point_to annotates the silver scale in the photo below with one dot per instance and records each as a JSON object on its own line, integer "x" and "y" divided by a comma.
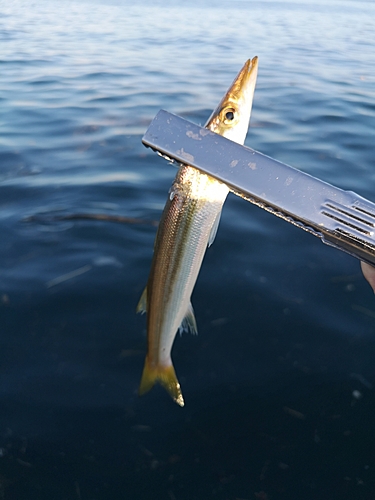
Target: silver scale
{"x": 342, "y": 219}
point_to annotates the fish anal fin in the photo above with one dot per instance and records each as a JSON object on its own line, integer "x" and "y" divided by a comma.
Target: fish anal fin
{"x": 166, "y": 376}
{"x": 188, "y": 323}
{"x": 214, "y": 229}
{"x": 142, "y": 304}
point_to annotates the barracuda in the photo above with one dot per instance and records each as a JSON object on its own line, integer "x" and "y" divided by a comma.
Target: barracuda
{"x": 188, "y": 225}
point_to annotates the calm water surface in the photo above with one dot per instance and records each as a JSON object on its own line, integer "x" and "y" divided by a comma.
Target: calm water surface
{"x": 279, "y": 383}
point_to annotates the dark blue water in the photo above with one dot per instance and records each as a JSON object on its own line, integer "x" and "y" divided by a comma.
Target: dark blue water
{"x": 279, "y": 382}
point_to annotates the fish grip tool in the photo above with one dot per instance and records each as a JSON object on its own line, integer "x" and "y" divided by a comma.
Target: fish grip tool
{"x": 342, "y": 219}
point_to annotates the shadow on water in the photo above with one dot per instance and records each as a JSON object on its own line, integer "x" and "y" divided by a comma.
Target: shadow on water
{"x": 244, "y": 447}
{"x": 279, "y": 399}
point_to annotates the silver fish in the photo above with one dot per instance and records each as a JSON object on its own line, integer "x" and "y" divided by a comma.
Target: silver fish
{"x": 188, "y": 225}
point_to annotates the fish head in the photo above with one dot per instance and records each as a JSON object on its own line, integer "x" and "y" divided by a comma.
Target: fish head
{"x": 231, "y": 118}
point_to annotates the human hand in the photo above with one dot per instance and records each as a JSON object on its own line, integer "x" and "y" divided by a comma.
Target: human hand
{"x": 369, "y": 274}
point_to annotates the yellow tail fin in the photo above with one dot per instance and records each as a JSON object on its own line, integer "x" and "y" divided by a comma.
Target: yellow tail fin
{"x": 166, "y": 376}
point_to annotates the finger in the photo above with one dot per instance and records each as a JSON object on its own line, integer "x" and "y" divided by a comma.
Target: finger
{"x": 369, "y": 274}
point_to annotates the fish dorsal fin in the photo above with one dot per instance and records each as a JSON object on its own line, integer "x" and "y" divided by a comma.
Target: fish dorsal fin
{"x": 214, "y": 228}
{"x": 188, "y": 323}
{"x": 142, "y": 304}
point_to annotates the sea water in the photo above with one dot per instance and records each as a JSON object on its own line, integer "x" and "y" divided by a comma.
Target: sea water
{"x": 278, "y": 384}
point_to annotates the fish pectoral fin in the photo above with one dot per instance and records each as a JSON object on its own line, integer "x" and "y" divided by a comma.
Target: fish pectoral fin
{"x": 214, "y": 229}
{"x": 142, "y": 304}
{"x": 166, "y": 376}
{"x": 188, "y": 323}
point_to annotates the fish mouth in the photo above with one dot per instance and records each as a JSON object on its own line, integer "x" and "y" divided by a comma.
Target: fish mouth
{"x": 241, "y": 91}
{"x": 249, "y": 66}
{"x": 245, "y": 80}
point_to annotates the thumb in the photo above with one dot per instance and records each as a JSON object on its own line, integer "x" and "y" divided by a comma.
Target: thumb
{"x": 369, "y": 274}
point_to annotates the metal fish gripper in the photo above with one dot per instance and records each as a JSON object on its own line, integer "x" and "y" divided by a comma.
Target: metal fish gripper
{"x": 340, "y": 218}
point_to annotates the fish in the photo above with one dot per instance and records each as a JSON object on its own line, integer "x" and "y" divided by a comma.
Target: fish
{"x": 187, "y": 227}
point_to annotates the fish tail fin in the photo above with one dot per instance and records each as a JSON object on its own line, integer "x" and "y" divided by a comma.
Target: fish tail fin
{"x": 166, "y": 376}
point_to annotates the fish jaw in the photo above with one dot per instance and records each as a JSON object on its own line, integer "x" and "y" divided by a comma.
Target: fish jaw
{"x": 188, "y": 225}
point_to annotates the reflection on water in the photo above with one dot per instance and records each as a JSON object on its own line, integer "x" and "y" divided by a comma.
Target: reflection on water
{"x": 279, "y": 382}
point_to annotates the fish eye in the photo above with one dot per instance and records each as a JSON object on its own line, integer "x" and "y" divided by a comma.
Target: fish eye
{"x": 229, "y": 115}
